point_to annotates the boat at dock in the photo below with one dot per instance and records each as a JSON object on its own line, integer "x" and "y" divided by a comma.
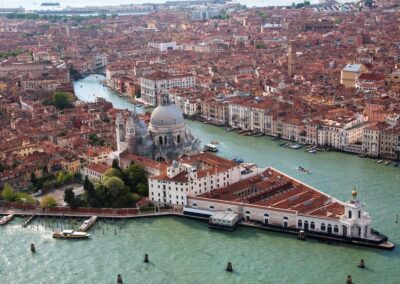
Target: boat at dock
{"x": 238, "y": 160}
{"x": 387, "y": 163}
{"x": 296, "y": 146}
{"x": 312, "y": 151}
{"x": 210, "y": 148}
{"x": 87, "y": 224}
{"x": 70, "y": 234}
{"x": 6, "y": 219}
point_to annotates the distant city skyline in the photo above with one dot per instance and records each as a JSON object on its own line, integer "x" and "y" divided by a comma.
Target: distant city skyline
{"x": 36, "y": 4}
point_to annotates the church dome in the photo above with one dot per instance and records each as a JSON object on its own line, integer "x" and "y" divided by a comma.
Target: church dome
{"x": 166, "y": 115}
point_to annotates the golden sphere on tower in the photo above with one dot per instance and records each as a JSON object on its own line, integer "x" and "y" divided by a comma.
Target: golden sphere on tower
{"x": 354, "y": 193}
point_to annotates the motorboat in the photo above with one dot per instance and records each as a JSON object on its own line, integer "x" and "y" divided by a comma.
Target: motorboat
{"x": 70, "y": 234}
{"x": 210, "y": 148}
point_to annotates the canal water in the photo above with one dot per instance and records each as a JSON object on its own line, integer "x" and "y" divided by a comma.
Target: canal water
{"x": 186, "y": 251}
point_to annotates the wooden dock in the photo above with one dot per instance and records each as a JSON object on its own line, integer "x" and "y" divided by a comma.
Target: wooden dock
{"x": 28, "y": 220}
{"x": 87, "y": 224}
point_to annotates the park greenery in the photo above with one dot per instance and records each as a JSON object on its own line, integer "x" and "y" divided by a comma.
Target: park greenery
{"x": 300, "y": 5}
{"x": 95, "y": 140}
{"x": 118, "y": 189}
{"x": 11, "y": 53}
{"x": 48, "y": 201}
{"x": 10, "y": 194}
{"x": 61, "y": 100}
{"x": 52, "y": 181}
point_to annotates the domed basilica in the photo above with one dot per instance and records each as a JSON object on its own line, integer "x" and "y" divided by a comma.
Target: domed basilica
{"x": 167, "y": 138}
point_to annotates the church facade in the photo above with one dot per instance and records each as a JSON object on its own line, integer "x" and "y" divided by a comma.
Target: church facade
{"x": 166, "y": 138}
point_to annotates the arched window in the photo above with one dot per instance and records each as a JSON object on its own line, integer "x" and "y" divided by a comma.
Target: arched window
{"x": 336, "y": 229}
{"x": 350, "y": 215}
{"x": 212, "y": 208}
{"x": 194, "y": 205}
{"x": 312, "y": 225}
{"x": 323, "y": 228}
{"x": 266, "y": 215}
{"x": 160, "y": 140}
{"x": 285, "y": 218}
{"x": 178, "y": 139}
{"x": 248, "y": 212}
{"x": 359, "y": 213}
{"x": 165, "y": 139}
{"x": 299, "y": 223}
{"x": 229, "y": 209}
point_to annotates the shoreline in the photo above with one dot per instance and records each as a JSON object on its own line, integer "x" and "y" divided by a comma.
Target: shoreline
{"x": 131, "y": 100}
{"x": 321, "y": 237}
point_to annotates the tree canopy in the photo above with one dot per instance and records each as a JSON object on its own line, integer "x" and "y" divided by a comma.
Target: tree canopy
{"x": 48, "y": 201}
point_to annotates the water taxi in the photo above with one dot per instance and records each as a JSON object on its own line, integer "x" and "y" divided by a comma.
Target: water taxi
{"x": 379, "y": 161}
{"x": 387, "y": 163}
{"x": 312, "y": 151}
{"x": 70, "y": 234}
{"x": 303, "y": 170}
{"x": 238, "y": 160}
{"x": 210, "y": 148}
{"x": 6, "y": 219}
{"x": 295, "y": 146}
{"x": 87, "y": 224}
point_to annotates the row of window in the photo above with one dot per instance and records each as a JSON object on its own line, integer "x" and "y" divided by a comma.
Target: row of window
{"x": 312, "y": 226}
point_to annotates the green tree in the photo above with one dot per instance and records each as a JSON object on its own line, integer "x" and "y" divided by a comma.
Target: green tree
{"x": 8, "y": 193}
{"x": 61, "y": 100}
{"x": 136, "y": 197}
{"x": 136, "y": 176}
{"x": 142, "y": 189}
{"x": 113, "y": 173}
{"x": 118, "y": 193}
{"x": 25, "y": 198}
{"x": 115, "y": 164}
{"x": 33, "y": 177}
{"x": 48, "y": 201}
{"x": 89, "y": 187}
{"x": 70, "y": 199}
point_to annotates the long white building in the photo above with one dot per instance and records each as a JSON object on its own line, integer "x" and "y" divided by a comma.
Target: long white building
{"x": 156, "y": 83}
{"x": 193, "y": 176}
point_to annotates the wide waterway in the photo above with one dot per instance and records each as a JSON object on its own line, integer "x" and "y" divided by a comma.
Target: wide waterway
{"x": 186, "y": 251}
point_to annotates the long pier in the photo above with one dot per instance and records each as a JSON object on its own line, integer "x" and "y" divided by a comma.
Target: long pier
{"x": 23, "y": 213}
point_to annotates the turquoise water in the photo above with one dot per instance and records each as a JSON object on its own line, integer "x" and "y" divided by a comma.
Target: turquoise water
{"x": 186, "y": 251}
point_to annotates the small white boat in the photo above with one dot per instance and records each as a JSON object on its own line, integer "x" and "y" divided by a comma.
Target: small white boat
{"x": 210, "y": 148}
{"x": 70, "y": 234}
{"x": 379, "y": 161}
{"x": 387, "y": 163}
{"x": 295, "y": 146}
{"x": 6, "y": 219}
{"x": 312, "y": 151}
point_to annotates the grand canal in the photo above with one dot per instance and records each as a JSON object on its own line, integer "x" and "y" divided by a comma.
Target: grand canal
{"x": 185, "y": 251}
